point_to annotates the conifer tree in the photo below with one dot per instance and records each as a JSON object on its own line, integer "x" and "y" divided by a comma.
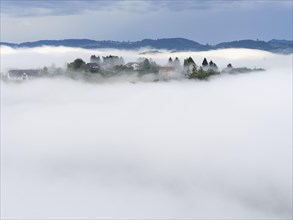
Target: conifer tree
{"x": 204, "y": 62}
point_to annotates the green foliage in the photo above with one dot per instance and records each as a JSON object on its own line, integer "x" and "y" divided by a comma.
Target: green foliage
{"x": 111, "y": 61}
{"x": 114, "y": 65}
{"x": 121, "y": 68}
{"x": 241, "y": 70}
{"x": 188, "y": 66}
{"x": 92, "y": 70}
{"x": 188, "y": 61}
{"x": 77, "y": 64}
{"x": 147, "y": 66}
{"x": 201, "y": 73}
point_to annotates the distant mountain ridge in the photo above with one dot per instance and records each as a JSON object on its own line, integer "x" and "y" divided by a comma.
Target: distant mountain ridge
{"x": 177, "y": 44}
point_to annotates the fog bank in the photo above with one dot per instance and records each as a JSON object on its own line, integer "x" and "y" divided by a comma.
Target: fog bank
{"x": 180, "y": 149}
{"x": 59, "y": 56}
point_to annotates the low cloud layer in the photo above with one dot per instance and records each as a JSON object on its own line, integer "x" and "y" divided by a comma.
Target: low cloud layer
{"x": 59, "y": 56}
{"x": 181, "y": 149}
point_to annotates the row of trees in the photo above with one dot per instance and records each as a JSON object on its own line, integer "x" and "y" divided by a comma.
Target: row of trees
{"x": 110, "y": 65}
{"x": 192, "y": 71}
{"x": 113, "y": 64}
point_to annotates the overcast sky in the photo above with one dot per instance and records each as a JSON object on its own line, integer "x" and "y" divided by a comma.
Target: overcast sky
{"x": 203, "y": 21}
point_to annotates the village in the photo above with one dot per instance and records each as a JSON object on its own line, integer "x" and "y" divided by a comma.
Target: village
{"x": 109, "y": 66}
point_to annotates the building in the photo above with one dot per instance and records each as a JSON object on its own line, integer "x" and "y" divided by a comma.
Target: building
{"x": 24, "y": 74}
{"x": 92, "y": 66}
{"x": 133, "y": 65}
{"x": 167, "y": 69}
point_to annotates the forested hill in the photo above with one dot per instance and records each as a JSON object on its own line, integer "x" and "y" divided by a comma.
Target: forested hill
{"x": 176, "y": 44}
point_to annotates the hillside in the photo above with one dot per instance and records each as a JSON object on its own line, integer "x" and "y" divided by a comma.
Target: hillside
{"x": 178, "y": 44}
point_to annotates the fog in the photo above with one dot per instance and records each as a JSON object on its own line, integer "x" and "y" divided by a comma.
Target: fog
{"x": 58, "y": 56}
{"x": 219, "y": 149}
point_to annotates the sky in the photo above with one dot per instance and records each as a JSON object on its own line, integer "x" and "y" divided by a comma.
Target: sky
{"x": 202, "y": 21}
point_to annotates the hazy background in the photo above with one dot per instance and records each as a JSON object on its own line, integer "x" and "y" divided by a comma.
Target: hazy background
{"x": 203, "y": 21}
{"x": 179, "y": 149}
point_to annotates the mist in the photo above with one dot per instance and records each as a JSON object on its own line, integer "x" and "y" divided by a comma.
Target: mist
{"x": 218, "y": 149}
{"x": 59, "y": 56}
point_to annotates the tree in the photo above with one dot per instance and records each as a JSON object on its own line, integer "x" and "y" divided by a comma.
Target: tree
{"x": 188, "y": 65}
{"x": 204, "y": 62}
{"x": 229, "y": 65}
{"x": 121, "y": 61}
{"x": 76, "y": 64}
{"x": 121, "y": 68}
{"x": 111, "y": 61}
{"x": 177, "y": 63}
{"x": 201, "y": 74}
{"x": 212, "y": 65}
{"x": 95, "y": 59}
{"x": 148, "y": 66}
{"x": 170, "y": 61}
{"x": 45, "y": 71}
{"x": 188, "y": 62}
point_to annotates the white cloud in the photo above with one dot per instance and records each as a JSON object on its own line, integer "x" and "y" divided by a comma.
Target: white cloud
{"x": 180, "y": 149}
{"x": 45, "y": 56}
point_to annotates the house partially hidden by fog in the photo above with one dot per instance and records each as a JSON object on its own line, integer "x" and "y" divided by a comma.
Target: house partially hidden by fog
{"x": 164, "y": 69}
{"x": 93, "y": 66}
{"x": 24, "y": 74}
{"x": 133, "y": 65}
